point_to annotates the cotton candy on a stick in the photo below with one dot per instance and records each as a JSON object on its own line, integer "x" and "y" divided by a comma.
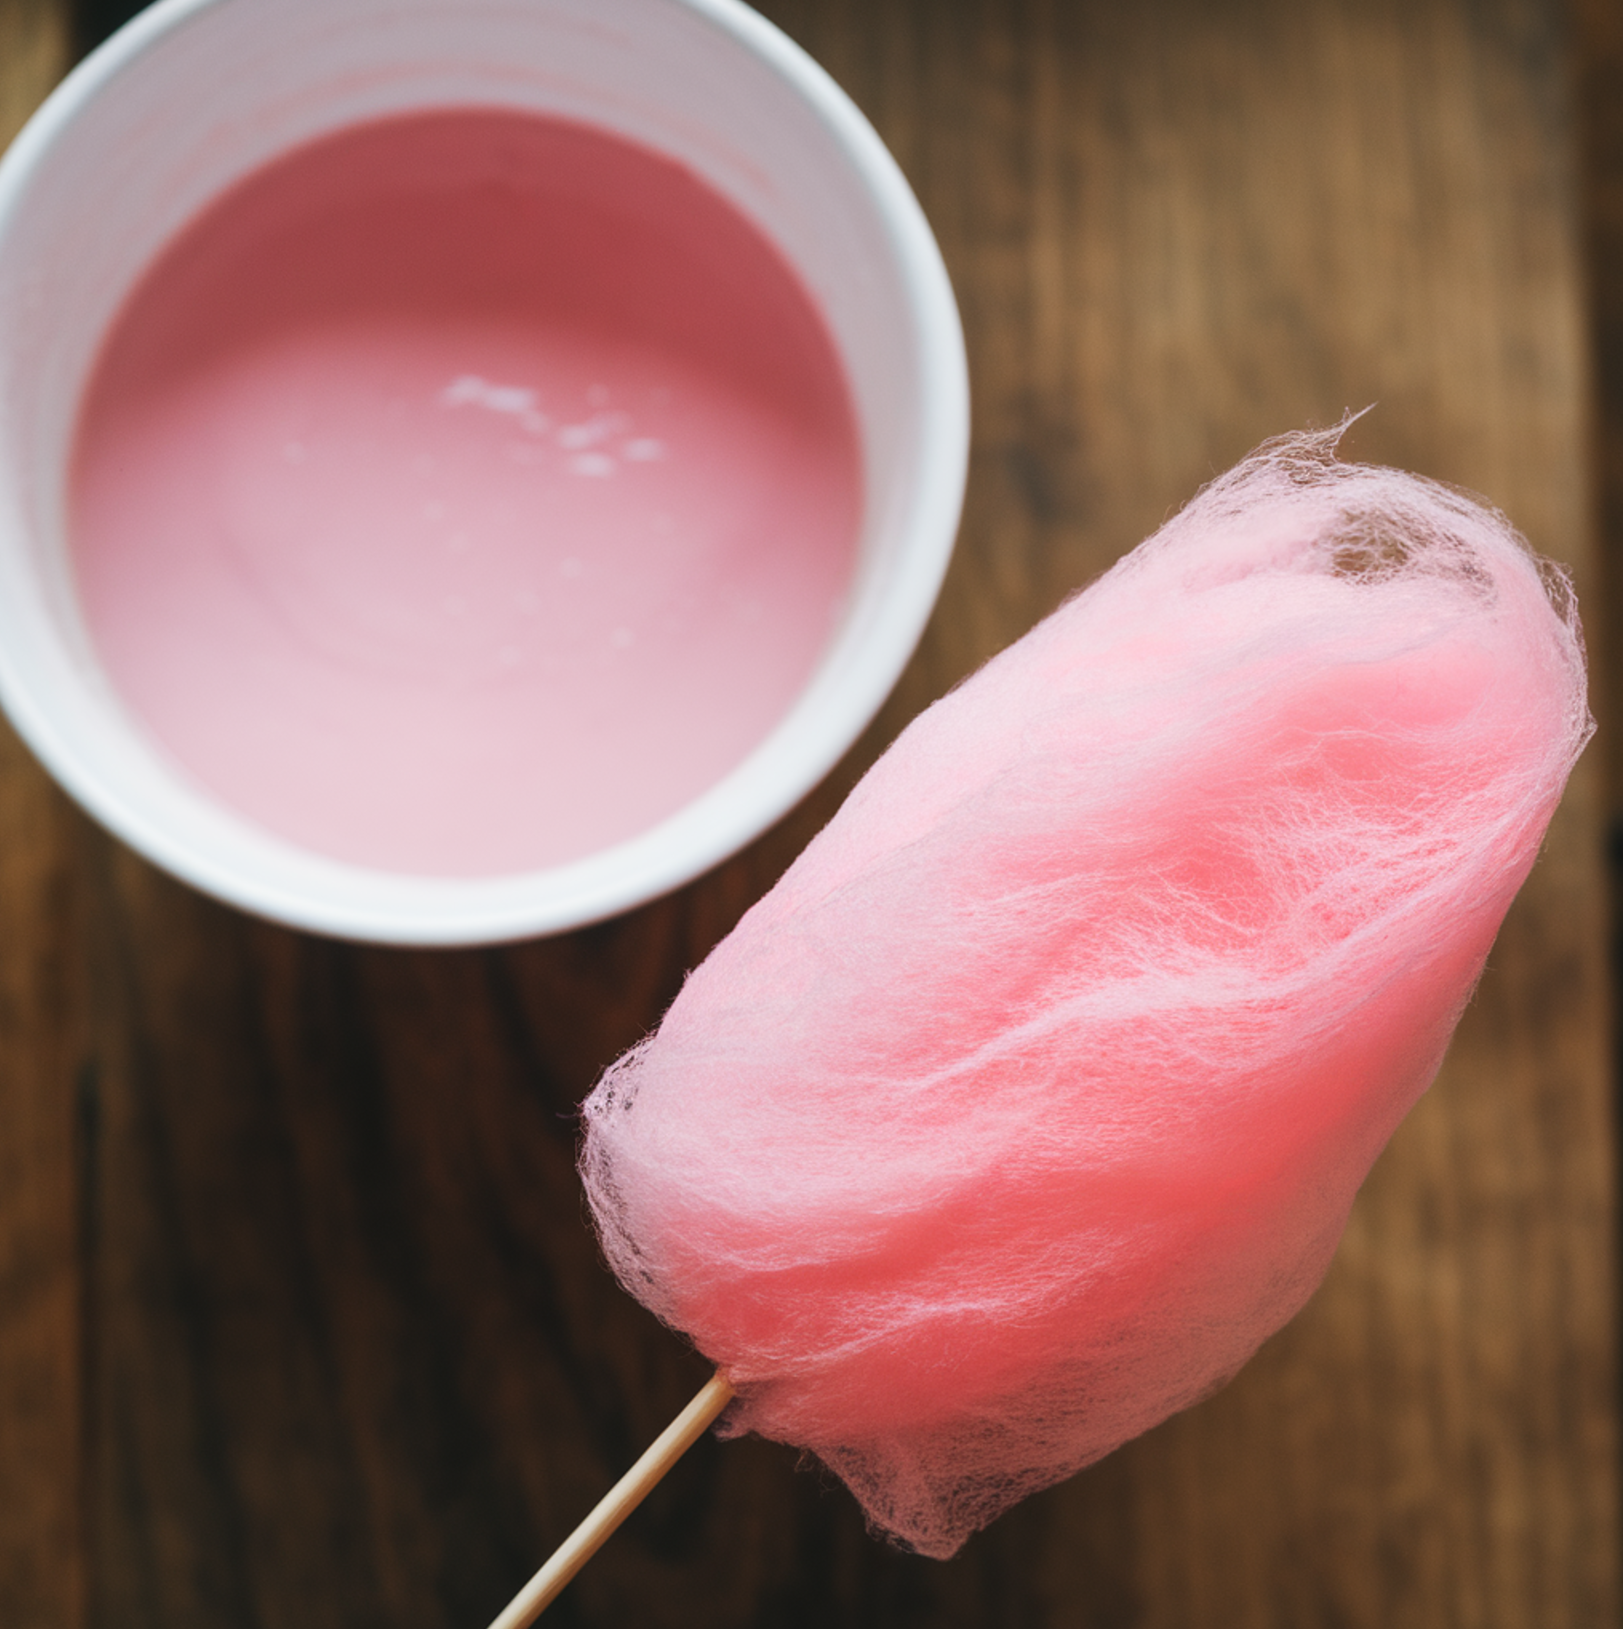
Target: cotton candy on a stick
{"x": 1035, "y": 1094}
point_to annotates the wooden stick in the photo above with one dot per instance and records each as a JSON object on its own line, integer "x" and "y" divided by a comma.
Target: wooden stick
{"x": 616, "y": 1505}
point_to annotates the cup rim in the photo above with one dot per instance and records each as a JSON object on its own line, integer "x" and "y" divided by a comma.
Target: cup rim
{"x": 350, "y": 901}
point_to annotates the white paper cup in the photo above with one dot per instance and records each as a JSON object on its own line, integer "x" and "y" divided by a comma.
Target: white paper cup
{"x": 193, "y": 96}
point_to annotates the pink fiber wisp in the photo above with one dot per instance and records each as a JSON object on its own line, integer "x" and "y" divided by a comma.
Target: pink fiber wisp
{"x": 1034, "y": 1096}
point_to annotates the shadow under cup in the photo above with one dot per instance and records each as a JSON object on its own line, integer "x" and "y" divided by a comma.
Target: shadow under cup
{"x": 465, "y": 468}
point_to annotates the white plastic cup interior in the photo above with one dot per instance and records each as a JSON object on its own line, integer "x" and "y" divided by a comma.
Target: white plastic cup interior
{"x": 196, "y": 94}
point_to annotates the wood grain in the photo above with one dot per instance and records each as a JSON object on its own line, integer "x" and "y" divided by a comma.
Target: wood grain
{"x": 300, "y": 1322}
{"x": 42, "y": 1006}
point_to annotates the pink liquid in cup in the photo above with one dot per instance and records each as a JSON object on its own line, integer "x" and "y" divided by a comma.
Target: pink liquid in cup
{"x": 465, "y": 493}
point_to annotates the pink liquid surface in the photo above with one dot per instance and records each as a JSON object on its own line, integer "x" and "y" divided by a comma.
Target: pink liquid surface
{"x": 465, "y": 493}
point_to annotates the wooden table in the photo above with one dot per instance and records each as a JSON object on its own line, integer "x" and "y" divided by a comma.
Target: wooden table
{"x": 300, "y": 1323}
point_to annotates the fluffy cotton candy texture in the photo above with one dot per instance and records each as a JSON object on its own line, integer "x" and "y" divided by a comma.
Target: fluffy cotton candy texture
{"x": 1034, "y": 1096}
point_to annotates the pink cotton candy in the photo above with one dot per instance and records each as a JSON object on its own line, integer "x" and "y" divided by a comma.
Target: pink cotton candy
{"x": 1034, "y": 1096}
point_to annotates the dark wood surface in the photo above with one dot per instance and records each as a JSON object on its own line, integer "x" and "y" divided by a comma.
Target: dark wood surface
{"x": 300, "y": 1321}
